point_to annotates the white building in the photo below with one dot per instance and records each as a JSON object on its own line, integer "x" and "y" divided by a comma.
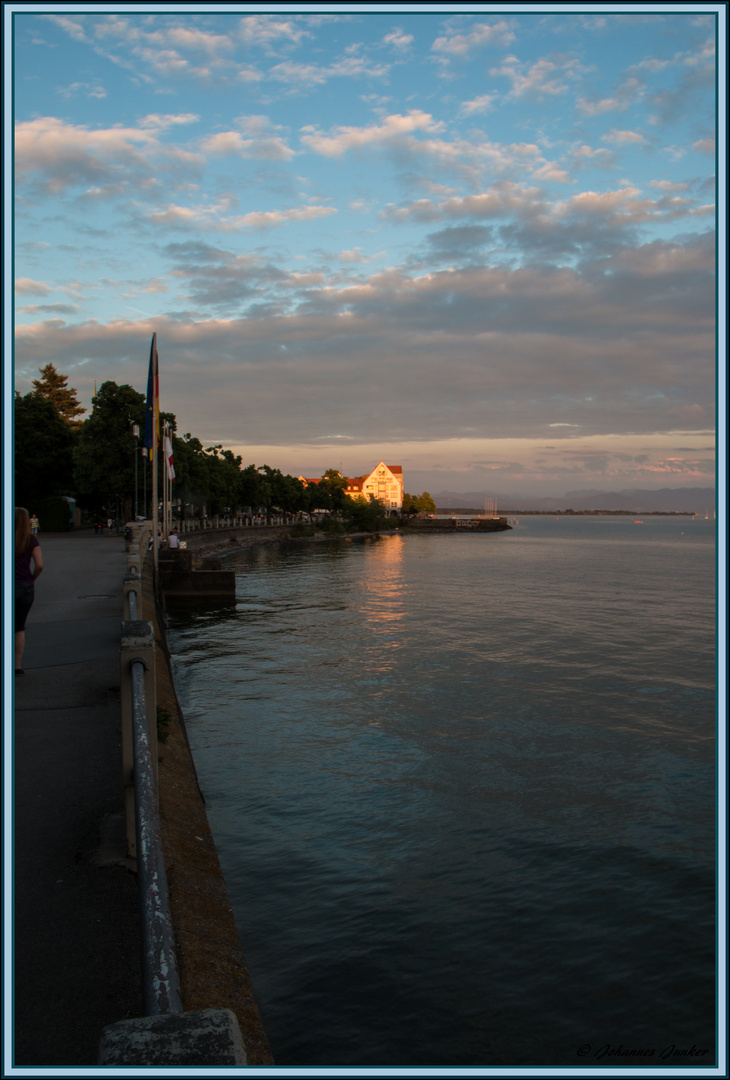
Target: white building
{"x": 385, "y": 482}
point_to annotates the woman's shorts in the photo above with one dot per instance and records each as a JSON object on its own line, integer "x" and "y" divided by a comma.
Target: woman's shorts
{"x": 24, "y": 596}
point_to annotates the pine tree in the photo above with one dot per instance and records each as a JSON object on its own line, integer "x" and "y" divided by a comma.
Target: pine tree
{"x": 52, "y": 386}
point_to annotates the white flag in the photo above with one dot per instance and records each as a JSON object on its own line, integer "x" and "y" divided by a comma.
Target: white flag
{"x": 168, "y": 459}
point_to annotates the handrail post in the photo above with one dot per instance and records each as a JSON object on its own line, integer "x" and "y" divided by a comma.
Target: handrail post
{"x": 132, "y": 586}
{"x": 138, "y": 643}
{"x": 134, "y": 559}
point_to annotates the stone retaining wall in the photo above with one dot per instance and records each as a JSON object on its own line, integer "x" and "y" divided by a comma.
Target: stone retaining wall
{"x": 212, "y": 966}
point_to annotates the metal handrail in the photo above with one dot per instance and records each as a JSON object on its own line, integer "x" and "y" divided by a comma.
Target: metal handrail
{"x": 160, "y": 979}
{"x": 161, "y": 982}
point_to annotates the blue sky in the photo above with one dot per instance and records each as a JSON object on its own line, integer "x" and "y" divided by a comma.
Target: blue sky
{"x": 478, "y": 244}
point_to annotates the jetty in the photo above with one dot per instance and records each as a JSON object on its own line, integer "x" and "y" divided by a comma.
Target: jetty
{"x": 434, "y": 523}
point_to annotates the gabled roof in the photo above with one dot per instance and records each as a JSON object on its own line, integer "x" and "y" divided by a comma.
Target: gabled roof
{"x": 397, "y": 470}
{"x": 356, "y": 482}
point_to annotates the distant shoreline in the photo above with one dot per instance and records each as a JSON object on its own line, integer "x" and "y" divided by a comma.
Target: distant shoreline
{"x": 450, "y": 511}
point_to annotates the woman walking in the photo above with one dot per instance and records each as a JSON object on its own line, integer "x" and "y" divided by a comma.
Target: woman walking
{"x": 28, "y": 565}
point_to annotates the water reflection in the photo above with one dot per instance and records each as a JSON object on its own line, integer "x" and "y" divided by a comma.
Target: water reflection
{"x": 383, "y": 594}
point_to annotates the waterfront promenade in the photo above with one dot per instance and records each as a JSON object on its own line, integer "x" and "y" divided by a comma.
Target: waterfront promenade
{"x": 76, "y": 936}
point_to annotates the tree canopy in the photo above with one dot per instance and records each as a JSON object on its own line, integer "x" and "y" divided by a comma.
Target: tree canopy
{"x": 105, "y": 454}
{"x": 44, "y": 445}
{"x": 330, "y": 494}
{"x": 418, "y": 504}
{"x": 367, "y": 515}
{"x": 52, "y": 386}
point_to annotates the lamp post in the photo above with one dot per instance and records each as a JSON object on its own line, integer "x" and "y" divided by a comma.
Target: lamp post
{"x": 135, "y": 435}
{"x": 144, "y": 479}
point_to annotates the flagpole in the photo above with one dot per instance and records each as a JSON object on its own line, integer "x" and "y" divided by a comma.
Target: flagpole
{"x": 165, "y": 484}
{"x": 155, "y": 443}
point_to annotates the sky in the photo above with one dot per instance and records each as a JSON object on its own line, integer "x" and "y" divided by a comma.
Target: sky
{"x": 479, "y": 244}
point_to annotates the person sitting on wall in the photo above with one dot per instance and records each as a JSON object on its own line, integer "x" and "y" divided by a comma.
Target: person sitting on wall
{"x": 173, "y": 540}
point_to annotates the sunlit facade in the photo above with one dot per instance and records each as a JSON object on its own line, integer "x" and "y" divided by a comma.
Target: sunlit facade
{"x": 385, "y": 482}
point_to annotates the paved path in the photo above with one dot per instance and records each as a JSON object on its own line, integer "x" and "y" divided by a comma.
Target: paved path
{"x": 77, "y": 949}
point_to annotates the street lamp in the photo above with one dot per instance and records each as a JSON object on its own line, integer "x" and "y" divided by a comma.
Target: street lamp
{"x": 143, "y": 450}
{"x": 135, "y": 435}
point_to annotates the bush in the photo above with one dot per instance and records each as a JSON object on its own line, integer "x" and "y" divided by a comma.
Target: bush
{"x": 368, "y": 515}
{"x": 330, "y": 526}
{"x": 54, "y": 514}
{"x": 300, "y": 530}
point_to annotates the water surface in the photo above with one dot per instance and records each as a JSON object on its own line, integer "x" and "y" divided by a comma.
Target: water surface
{"x": 463, "y": 791}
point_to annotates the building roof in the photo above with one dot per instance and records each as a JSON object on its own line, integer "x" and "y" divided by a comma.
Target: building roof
{"x": 356, "y": 482}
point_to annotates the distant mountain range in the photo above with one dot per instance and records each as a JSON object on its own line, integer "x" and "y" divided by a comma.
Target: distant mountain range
{"x": 636, "y": 500}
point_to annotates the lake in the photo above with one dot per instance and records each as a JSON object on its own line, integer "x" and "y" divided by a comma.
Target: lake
{"x": 463, "y": 791}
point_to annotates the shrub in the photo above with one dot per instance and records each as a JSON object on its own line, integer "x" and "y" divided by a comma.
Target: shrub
{"x": 54, "y": 514}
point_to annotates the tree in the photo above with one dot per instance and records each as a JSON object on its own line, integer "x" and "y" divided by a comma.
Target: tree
{"x": 224, "y": 479}
{"x": 207, "y": 477}
{"x": 287, "y": 492}
{"x": 192, "y": 485}
{"x": 44, "y": 447}
{"x": 52, "y": 386}
{"x": 250, "y": 487}
{"x": 366, "y": 515}
{"x": 418, "y": 504}
{"x": 105, "y": 454}
{"x": 330, "y": 492}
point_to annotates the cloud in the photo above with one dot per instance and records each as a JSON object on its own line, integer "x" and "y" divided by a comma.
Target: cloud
{"x": 90, "y": 90}
{"x": 73, "y": 27}
{"x": 597, "y": 108}
{"x": 544, "y": 78}
{"x": 301, "y": 75}
{"x": 355, "y": 256}
{"x": 197, "y": 40}
{"x": 628, "y": 93}
{"x": 389, "y": 130}
{"x": 624, "y": 137}
{"x": 526, "y": 347}
{"x": 270, "y": 218}
{"x": 158, "y": 122}
{"x": 271, "y": 148}
{"x": 48, "y": 309}
{"x": 61, "y": 155}
{"x": 217, "y": 217}
{"x": 481, "y": 35}
{"x": 501, "y": 200}
{"x": 668, "y": 185}
{"x": 480, "y": 104}
{"x": 268, "y": 33}
{"x": 587, "y": 155}
{"x": 705, "y": 146}
{"x": 26, "y": 286}
{"x": 398, "y": 40}
{"x": 248, "y": 75}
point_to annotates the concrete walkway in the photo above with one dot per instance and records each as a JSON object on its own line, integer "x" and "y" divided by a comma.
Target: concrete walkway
{"x": 77, "y": 950}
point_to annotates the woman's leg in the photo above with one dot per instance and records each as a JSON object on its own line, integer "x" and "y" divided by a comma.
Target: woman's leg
{"x": 19, "y": 647}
